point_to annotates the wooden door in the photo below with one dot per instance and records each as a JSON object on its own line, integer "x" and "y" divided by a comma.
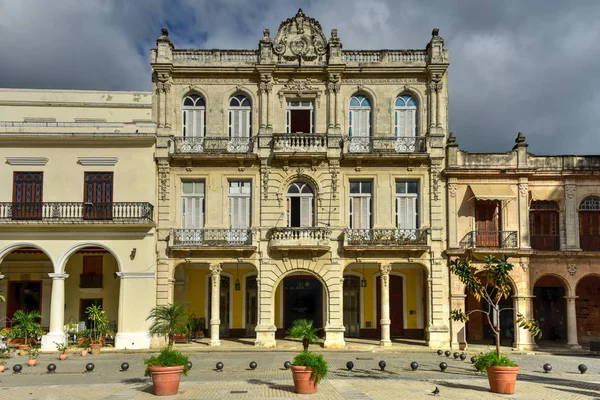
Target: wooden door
{"x": 396, "y": 305}
{"x": 300, "y": 121}
{"x": 27, "y": 195}
{"x": 589, "y": 230}
{"x": 487, "y": 224}
{"x": 98, "y": 195}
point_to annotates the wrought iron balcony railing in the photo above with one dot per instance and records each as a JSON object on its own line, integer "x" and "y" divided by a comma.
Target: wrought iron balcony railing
{"x": 589, "y": 242}
{"x": 383, "y": 145}
{"x": 198, "y": 144}
{"x": 212, "y": 237}
{"x": 90, "y": 281}
{"x": 494, "y": 239}
{"x": 386, "y": 237}
{"x": 545, "y": 242}
{"x": 308, "y": 237}
{"x": 84, "y": 213}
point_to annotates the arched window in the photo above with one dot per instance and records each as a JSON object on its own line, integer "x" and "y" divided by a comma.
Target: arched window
{"x": 405, "y": 116}
{"x": 543, "y": 225}
{"x": 359, "y": 124}
{"x": 589, "y": 224}
{"x": 300, "y": 205}
{"x": 240, "y": 117}
{"x": 194, "y": 116}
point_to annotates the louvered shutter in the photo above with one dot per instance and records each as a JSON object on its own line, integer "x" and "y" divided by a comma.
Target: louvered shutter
{"x": 305, "y": 212}
{"x": 406, "y": 214}
{"x": 199, "y": 123}
{"x": 363, "y": 123}
{"x": 365, "y": 222}
{"x": 410, "y": 123}
{"x": 401, "y": 122}
{"x": 239, "y": 212}
{"x": 235, "y": 123}
{"x": 244, "y": 123}
{"x": 193, "y": 212}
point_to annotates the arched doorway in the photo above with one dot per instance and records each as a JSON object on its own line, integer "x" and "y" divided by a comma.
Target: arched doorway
{"x": 299, "y": 295}
{"x": 550, "y": 308}
{"x": 588, "y": 309}
{"x": 352, "y": 307}
{"x": 478, "y": 327}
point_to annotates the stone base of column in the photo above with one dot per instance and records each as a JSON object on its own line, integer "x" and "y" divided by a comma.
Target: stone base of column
{"x": 439, "y": 337}
{"x": 458, "y": 345}
{"x": 385, "y": 343}
{"x": 334, "y": 337}
{"x": 50, "y": 340}
{"x": 265, "y": 337}
{"x": 574, "y": 346}
{"x": 525, "y": 346}
{"x": 132, "y": 340}
{"x": 214, "y": 332}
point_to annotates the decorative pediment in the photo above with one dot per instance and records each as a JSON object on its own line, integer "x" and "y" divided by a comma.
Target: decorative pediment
{"x": 300, "y": 89}
{"x": 300, "y": 40}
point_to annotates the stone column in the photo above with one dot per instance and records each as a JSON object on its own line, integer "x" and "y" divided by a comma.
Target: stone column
{"x": 57, "y": 313}
{"x": 265, "y": 330}
{"x": 571, "y": 216}
{"x": 215, "y": 318}
{"x": 459, "y": 334}
{"x": 385, "y": 305}
{"x": 452, "y": 214}
{"x": 523, "y": 340}
{"x": 46, "y": 288}
{"x": 167, "y": 104}
{"x": 572, "y": 323}
{"x": 438, "y": 89}
{"x": 431, "y": 100}
{"x": 334, "y": 329}
{"x": 523, "y": 204}
{"x": 4, "y": 293}
{"x": 160, "y": 108}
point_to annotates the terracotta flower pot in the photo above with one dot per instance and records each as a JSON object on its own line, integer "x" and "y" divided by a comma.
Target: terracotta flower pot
{"x": 302, "y": 382}
{"x": 95, "y": 347}
{"x": 62, "y": 356}
{"x": 84, "y": 353}
{"x": 166, "y": 379}
{"x": 32, "y": 362}
{"x": 2, "y": 366}
{"x": 502, "y": 379}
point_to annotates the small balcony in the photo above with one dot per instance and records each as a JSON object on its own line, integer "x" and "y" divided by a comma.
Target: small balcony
{"x": 76, "y": 213}
{"x": 589, "y": 242}
{"x": 212, "y": 145}
{"x": 545, "y": 242}
{"x": 490, "y": 239}
{"x": 90, "y": 281}
{"x": 310, "y": 239}
{"x": 211, "y": 239}
{"x": 385, "y": 145}
{"x": 385, "y": 239}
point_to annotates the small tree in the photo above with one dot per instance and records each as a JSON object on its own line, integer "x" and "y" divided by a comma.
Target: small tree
{"x": 99, "y": 322}
{"x": 168, "y": 320}
{"x": 497, "y": 276}
{"x": 303, "y": 329}
{"x": 26, "y": 324}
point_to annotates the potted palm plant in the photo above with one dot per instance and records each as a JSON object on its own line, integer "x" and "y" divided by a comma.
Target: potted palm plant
{"x": 33, "y": 353}
{"x": 501, "y": 370}
{"x": 303, "y": 330}
{"x": 97, "y": 316}
{"x": 26, "y": 327}
{"x": 166, "y": 368}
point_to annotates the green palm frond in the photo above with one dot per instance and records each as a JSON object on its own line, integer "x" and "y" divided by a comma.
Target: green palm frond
{"x": 168, "y": 320}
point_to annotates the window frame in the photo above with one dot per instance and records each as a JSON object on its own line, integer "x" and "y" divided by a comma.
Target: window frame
{"x": 408, "y": 195}
{"x": 405, "y": 98}
{"x": 201, "y": 196}
{"x": 360, "y": 195}
{"x": 185, "y": 117}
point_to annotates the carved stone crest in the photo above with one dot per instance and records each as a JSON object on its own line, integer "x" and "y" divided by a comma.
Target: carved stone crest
{"x": 300, "y": 39}
{"x": 572, "y": 268}
{"x": 570, "y": 191}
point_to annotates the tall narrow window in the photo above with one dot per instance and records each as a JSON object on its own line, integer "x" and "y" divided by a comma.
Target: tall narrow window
{"x": 300, "y": 117}
{"x": 192, "y": 204}
{"x": 240, "y": 194}
{"x": 589, "y": 224}
{"x": 360, "y": 205}
{"x": 194, "y": 123}
{"x": 543, "y": 225}
{"x": 240, "y": 124}
{"x": 407, "y": 207}
{"x": 27, "y": 195}
{"x": 359, "y": 124}
{"x": 98, "y": 195}
{"x": 300, "y": 205}
{"x": 405, "y": 123}
{"x": 488, "y": 223}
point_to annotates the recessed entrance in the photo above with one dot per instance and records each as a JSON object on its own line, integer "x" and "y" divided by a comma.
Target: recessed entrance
{"x": 302, "y": 299}
{"x": 396, "y": 305}
{"x": 24, "y": 295}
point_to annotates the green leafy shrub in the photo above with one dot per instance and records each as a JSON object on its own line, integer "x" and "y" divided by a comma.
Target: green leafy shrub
{"x": 313, "y": 361}
{"x": 33, "y": 352}
{"x": 168, "y": 320}
{"x": 303, "y": 329}
{"x": 492, "y": 359}
{"x": 168, "y": 357}
{"x": 61, "y": 347}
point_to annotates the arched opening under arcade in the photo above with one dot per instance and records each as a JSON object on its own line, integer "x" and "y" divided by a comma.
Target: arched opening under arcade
{"x": 550, "y": 308}
{"x": 588, "y": 309}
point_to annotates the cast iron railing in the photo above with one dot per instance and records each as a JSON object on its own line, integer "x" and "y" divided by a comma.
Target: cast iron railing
{"x": 49, "y": 213}
{"x": 201, "y": 144}
{"x": 212, "y": 237}
{"x": 376, "y": 144}
{"x": 497, "y": 239}
{"x": 386, "y": 237}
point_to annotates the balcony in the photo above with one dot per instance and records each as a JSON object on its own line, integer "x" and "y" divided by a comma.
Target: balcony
{"x": 211, "y": 239}
{"x": 310, "y": 239}
{"x": 589, "y": 242}
{"x": 299, "y": 144}
{"x": 385, "y": 145}
{"x": 545, "y": 242}
{"x": 212, "y": 145}
{"x": 90, "y": 281}
{"x": 490, "y": 239}
{"x": 76, "y": 213}
{"x": 385, "y": 239}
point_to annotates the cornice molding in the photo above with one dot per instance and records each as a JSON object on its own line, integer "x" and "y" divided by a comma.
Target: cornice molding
{"x": 97, "y": 161}
{"x": 27, "y": 160}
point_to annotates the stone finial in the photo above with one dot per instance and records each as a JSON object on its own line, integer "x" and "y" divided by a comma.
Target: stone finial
{"x": 334, "y": 35}
{"x": 266, "y": 35}
{"x": 435, "y": 32}
{"x": 520, "y": 138}
{"x": 435, "y": 48}
{"x": 165, "y": 31}
{"x": 451, "y": 139}
{"x": 164, "y": 37}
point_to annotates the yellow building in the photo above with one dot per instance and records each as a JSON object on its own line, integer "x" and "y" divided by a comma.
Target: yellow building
{"x": 303, "y": 181}
{"x": 543, "y": 212}
{"x": 77, "y": 218}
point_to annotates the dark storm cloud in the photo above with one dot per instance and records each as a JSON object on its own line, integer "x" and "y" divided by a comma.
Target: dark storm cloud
{"x": 529, "y": 66}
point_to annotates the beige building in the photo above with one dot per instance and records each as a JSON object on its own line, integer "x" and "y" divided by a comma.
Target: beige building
{"x": 543, "y": 212}
{"x": 76, "y": 218}
{"x": 300, "y": 180}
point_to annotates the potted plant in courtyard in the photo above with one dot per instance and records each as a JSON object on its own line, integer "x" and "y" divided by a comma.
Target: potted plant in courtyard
{"x": 33, "y": 352}
{"x": 83, "y": 342}
{"x": 303, "y": 330}
{"x": 5, "y": 354}
{"x": 97, "y": 316}
{"x": 62, "y": 350}
{"x": 166, "y": 368}
{"x": 26, "y": 327}
{"x": 307, "y": 371}
{"x": 501, "y": 371}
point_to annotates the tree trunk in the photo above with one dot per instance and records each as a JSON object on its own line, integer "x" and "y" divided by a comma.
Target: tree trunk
{"x": 305, "y": 344}
{"x": 497, "y": 332}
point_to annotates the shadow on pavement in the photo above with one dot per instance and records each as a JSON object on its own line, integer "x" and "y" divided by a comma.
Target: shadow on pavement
{"x": 271, "y": 385}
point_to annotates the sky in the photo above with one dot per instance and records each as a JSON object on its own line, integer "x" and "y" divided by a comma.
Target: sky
{"x": 515, "y": 65}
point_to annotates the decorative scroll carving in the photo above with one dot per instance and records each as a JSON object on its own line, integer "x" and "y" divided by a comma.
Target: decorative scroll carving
{"x": 334, "y": 170}
{"x": 572, "y": 269}
{"x": 523, "y": 189}
{"x": 300, "y": 88}
{"x": 452, "y": 189}
{"x": 264, "y": 174}
{"x": 163, "y": 177}
{"x": 570, "y": 191}
{"x": 435, "y": 180}
{"x": 384, "y": 81}
{"x": 385, "y": 269}
{"x": 266, "y": 83}
{"x": 300, "y": 39}
{"x": 333, "y": 84}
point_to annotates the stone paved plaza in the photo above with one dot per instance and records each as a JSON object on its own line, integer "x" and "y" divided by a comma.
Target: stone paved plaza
{"x": 271, "y": 381}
